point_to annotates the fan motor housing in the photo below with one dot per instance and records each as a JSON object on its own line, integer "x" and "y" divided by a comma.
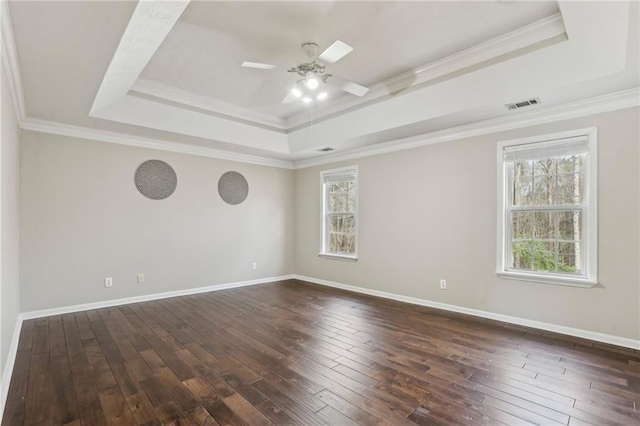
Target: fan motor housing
{"x": 307, "y": 67}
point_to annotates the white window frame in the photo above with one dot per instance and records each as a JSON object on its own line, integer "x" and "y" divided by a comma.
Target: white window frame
{"x": 590, "y": 212}
{"x": 324, "y": 224}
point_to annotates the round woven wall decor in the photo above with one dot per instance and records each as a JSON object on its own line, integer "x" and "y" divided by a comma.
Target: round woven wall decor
{"x": 233, "y": 188}
{"x": 156, "y": 179}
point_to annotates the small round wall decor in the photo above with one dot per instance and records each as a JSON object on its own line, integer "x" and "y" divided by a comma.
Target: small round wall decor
{"x": 233, "y": 188}
{"x": 156, "y": 179}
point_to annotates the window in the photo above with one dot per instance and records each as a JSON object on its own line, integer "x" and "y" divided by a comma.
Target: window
{"x": 339, "y": 213}
{"x": 547, "y": 209}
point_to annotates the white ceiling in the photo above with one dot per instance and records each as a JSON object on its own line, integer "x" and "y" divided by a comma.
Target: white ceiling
{"x": 457, "y": 62}
{"x": 205, "y": 48}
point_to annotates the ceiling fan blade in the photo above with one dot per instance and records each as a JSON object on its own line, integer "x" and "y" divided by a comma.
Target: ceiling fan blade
{"x": 348, "y": 86}
{"x": 258, "y": 65}
{"x": 335, "y": 52}
{"x": 289, "y": 98}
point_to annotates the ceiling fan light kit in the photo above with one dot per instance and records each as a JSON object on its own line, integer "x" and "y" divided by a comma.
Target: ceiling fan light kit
{"x": 312, "y": 82}
{"x": 302, "y": 90}
{"x": 314, "y": 73}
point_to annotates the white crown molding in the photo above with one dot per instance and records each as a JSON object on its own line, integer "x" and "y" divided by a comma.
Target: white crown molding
{"x": 513, "y": 41}
{"x": 609, "y": 102}
{"x": 599, "y": 104}
{"x": 185, "y": 97}
{"x": 55, "y": 128}
{"x": 554, "y": 328}
{"x": 10, "y": 61}
{"x": 13, "y": 351}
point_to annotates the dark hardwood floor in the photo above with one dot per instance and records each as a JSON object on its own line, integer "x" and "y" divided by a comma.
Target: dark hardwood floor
{"x": 296, "y": 353}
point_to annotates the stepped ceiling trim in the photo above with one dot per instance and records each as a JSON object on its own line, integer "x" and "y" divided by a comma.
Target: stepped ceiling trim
{"x": 520, "y": 39}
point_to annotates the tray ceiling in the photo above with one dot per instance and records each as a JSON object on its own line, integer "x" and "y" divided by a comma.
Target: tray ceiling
{"x": 206, "y": 46}
{"x": 171, "y": 71}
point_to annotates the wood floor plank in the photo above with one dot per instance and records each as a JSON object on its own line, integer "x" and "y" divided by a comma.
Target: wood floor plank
{"x": 293, "y": 408}
{"x": 201, "y": 417}
{"x": 64, "y": 399}
{"x": 212, "y": 402}
{"x": 84, "y": 377}
{"x": 115, "y": 407}
{"x": 16, "y": 399}
{"x": 538, "y": 409}
{"x": 170, "y": 414}
{"x": 41, "y": 336}
{"x": 522, "y": 413}
{"x": 275, "y": 414}
{"x": 39, "y": 398}
{"x": 156, "y": 393}
{"x": 353, "y": 412}
{"x": 247, "y": 391}
{"x": 291, "y": 353}
{"x": 245, "y": 410}
{"x": 334, "y": 417}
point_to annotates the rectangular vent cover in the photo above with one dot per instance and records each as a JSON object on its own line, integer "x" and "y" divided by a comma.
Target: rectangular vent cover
{"x": 327, "y": 149}
{"x": 518, "y": 105}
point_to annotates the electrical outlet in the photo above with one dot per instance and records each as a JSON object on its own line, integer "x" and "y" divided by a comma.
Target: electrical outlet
{"x": 140, "y": 278}
{"x": 254, "y": 266}
{"x": 443, "y": 284}
{"x": 108, "y": 282}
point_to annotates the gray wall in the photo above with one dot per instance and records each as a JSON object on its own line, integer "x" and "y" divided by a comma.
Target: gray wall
{"x": 425, "y": 214}
{"x": 430, "y": 213}
{"x": 83, "y": 220}
{"x": 9, "y": 228}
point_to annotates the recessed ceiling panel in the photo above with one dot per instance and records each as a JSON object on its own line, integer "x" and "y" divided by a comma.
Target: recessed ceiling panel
{"x": 204, "y": 51}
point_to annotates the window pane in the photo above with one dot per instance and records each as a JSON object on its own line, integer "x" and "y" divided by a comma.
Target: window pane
{"x": 547, "y": 228}
{"x": 351, "y": 202}
{"x": 342, "y": 234}
{"x": 521, "y": 254}
{"x": 569, "y": 257}
{"x": 545, "y": 166}
{"x": 522, "y": 225}
{"x": 569, "y": 189}
{"x": 570, "y": 225}
{"x": 536, "y": 255}
{"x": 570, "y": 164}
{"x": 342, "y": 197}
{"x": 543, "y": 190}
{"x": 544, "y": 256}
{"x": 335, "y": 192}
{"x": 522, "y": 169}
{"x": 544, "y": 225}
{"x": 523, "y": 192}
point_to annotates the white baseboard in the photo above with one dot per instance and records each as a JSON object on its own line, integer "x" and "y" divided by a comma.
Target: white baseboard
{"x": 8, "y": 366}
{"x": 147, "y": 297}
{"x": 13, "y": 351}
{"x": 570, "y": 331}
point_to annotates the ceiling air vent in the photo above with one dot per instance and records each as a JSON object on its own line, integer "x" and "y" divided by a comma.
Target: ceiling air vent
{"x": 518, "y": 105}
{"x": 327, "y": 149}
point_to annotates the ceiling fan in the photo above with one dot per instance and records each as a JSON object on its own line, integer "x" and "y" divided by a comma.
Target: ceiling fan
{"x": 309, "y": 87}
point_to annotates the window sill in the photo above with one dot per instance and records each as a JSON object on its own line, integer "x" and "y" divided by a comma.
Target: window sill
{"x": 339, "y": 257}
{"x": 547, "y": 279}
